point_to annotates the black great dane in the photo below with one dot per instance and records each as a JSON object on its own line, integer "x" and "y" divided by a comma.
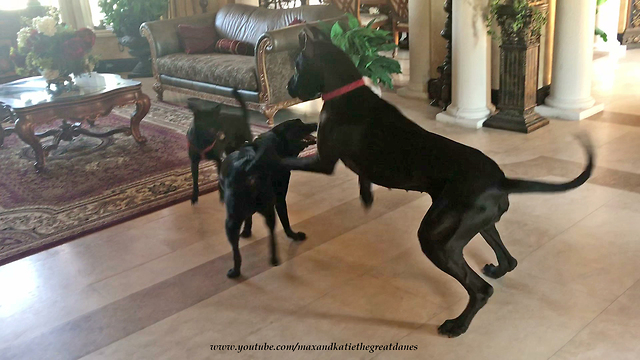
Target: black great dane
{"x": 372, "y": 138}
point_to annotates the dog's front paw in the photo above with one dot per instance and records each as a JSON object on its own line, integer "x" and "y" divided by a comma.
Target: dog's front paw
{"x": 452, "y": 328}
{"x": 194, "y": 199}
{"x": 245, "y": 233}
{"x": 233, "y": 273}
{"x": 297, "y": 236}
{"x": 275, "y": 261}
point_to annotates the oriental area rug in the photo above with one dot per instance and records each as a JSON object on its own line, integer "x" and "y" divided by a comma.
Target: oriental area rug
{"x": 92, "y": 183}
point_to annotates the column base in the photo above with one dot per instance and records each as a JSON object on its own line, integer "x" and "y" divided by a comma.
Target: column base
{"x": 569, "y": 114}
{"x": 506, "y": 120}
{"x": 613, "y": 49}
{"x": 447, "y": 118}
{"x": 411, "y": 93}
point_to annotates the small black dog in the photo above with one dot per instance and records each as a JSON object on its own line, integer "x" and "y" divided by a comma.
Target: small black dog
{"x": 374, "y": 139}
{"x": 253, "y": 182}
{"x": 214, "y": 134}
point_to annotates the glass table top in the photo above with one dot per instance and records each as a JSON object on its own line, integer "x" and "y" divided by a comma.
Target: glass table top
{"x": 24, "y": 93}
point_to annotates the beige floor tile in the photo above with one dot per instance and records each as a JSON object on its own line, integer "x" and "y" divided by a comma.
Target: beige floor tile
{"x": 231, "y": 315}
{"x": 365, "y": 310}
{"x": 612, "y": 335}
{"x": 527, "y": 318}
{"x": 43, "y": 314}
{"x": 598, "y": 255}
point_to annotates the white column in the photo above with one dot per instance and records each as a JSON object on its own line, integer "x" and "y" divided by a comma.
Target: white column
{"x": 570, "y": 97}
{"x": 470, "y": 66}
{"x": 419, "y": 50}
{"x": 607, "y": 20}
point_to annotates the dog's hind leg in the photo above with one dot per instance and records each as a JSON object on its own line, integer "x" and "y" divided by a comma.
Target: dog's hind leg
{"x": 246, "y": 231}
{"x": 195, "y": 162}
{"x": 233, "y": 235}
{"x": 443, "y": 234}
{"x": 506, "y": 262}
{"x": 270, "y": 217}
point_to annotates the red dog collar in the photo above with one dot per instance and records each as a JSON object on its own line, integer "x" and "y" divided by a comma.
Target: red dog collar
{"x": 203, "y": 153}
{"x": 343, "y": 90}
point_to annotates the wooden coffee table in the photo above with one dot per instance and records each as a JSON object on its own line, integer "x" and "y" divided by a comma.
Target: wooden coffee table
{"x": 28, "y": 104}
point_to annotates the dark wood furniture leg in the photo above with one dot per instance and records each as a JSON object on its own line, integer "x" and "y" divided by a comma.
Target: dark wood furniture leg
{"x": 26, "y": 132}
{"x": 143, "y": 104}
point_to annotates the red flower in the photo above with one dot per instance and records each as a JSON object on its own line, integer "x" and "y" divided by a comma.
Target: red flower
{"x": 18, "y": 60}
{"x": 32, "y": 39}
{"x": 88, "y": 37}
{"x": 40, "y": 46}
{"x": 73, "y": 49}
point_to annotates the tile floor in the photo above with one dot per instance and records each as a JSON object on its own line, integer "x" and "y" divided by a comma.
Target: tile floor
{"x": 155, "y": 287}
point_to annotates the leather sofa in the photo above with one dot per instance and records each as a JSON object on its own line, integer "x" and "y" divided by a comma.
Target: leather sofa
{"x": 261, "y": 79}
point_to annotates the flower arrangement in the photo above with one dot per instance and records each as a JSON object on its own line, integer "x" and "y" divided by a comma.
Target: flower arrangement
{"x": 53, "y": 50}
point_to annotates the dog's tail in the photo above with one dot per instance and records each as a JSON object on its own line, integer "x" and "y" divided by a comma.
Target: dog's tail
{"x": 243, "y": 105}
{"x": 527, "y": 186}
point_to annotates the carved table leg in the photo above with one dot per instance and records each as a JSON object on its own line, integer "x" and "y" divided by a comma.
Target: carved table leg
{"x": 143, "y": 104}
{"x": 26, "y": 132}
{"x": 157, "y": 87}
{"x": 269, "y": 112}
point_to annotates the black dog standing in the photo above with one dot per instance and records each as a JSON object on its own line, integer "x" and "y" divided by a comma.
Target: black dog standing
{"x": 253, "y": 182}
{"x": 372, "y": 138}
{"x": 213, "y": 134}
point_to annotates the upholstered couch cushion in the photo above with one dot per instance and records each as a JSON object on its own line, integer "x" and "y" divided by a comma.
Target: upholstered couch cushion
{"x": 247, "y": 23}
{"x": 197, "y": 39}
{"x": 235, "y": 71}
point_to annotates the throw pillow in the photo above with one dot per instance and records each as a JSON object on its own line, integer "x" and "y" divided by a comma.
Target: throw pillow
{"x": 296, "y": 21}
{"x": 237, "y": 47}
{"x": 197, "y": 39}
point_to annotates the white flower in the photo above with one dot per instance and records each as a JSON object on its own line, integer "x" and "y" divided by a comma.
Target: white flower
{"x": 45, "y": 25}
{"x": 50, "y": 74}
{"x": 23, "y": 35}
{"x": 89, "y": 65}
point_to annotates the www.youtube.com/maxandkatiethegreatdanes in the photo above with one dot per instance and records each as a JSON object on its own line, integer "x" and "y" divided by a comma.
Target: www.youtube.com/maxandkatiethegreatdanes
{"x": 315, "y": 347}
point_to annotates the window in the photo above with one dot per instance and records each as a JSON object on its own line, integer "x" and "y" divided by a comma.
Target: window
{"x": 96, "y": 12}
{"x": 21, "y": 4}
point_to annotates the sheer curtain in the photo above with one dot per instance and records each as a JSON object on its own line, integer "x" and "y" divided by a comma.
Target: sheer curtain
{"x": 76, "y": 13}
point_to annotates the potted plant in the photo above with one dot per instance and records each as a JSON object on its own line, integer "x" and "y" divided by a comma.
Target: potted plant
{"x": 125, "y": 17}
{"x": 521, "y": 27}
{"x": 599, "y": 32}
{"x": 363, "y": 45}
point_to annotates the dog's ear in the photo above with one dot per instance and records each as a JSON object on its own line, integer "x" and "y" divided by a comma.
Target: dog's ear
{"x": 319, "y": 35}
{"x": 306, "y": 42}
{"x": 217, "y": 109}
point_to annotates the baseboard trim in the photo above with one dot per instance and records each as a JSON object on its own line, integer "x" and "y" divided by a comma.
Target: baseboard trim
{"x": 116, "y": 65}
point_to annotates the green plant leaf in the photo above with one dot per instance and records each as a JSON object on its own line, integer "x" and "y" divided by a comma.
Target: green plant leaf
{"x": 602, "y": 34}
{"x": 353, "y": 22}
{"x": 336, "y": 30}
